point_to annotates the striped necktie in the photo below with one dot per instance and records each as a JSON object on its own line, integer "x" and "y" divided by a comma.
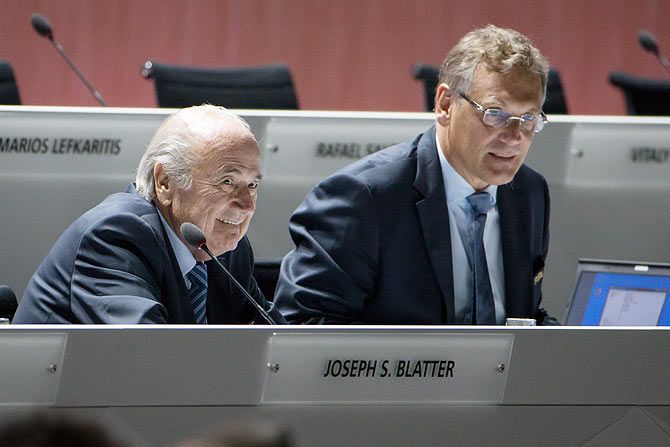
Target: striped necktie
{"x": 483, "y": 309}
{"x": 198, "y": 291}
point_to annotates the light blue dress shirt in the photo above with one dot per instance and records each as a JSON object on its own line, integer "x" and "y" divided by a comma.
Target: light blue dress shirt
{"x": 185, "y": 258}
{"x": 460, "y": 216}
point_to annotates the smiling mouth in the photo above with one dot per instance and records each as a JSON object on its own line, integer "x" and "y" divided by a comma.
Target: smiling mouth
{"x": 230, "y": 222}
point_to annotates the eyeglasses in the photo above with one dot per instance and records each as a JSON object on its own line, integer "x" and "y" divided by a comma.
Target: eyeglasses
{"x": 500, "y": 119}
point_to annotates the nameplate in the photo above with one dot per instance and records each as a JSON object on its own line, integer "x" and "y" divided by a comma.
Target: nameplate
{"x": 313, "y": 147}
{"x": 73, "y": 144}
{"x": 31, "y": 367}
{"x": 621, "y": 156}
{"x": 315, "y": 368}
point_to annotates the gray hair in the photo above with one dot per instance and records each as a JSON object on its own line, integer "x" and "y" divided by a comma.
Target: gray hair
{"x": 499, "y": 49}
{"x": 173, "y": 143}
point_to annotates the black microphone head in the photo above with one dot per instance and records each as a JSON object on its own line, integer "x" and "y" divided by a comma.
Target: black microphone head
{"x": 8, "y": 302}
{"x": 41, "y": 25}
{"x": 193, "y": 235}
{"x": 648, "y": 41}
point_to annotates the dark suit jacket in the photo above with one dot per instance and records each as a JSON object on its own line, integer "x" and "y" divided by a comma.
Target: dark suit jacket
{"x": 115, "y": 264}
{"x": 373, "y": 243}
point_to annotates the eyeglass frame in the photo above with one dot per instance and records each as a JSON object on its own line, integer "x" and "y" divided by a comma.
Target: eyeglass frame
{"x": 511, "y": 117}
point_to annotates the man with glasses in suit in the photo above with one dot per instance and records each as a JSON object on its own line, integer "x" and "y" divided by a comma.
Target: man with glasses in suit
{"x": 449, "y": 228}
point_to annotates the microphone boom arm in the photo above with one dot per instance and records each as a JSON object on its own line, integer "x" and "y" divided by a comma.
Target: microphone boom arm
{"x": 247, "y": 295}
{"x": 196, "y": 238}
{"x": 96, "y": 94}
{"x": 42, "y": 26}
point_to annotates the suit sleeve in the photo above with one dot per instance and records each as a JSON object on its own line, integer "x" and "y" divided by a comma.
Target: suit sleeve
{"x": 328, "y": 276}
{"x": 116, "y": 273}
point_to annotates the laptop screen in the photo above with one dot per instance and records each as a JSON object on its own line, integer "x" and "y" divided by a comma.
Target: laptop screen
{"x": 620, "y": 293}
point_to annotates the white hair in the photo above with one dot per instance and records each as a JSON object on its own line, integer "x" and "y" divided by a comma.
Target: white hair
{"x": 173, "y": 143}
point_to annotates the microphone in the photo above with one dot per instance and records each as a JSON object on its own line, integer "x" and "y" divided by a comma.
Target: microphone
{"x": 43, "y": 27}
{"x": 195, "y": 237}
{"x": 648, "y": 42}
{"x": 8, "y": 303}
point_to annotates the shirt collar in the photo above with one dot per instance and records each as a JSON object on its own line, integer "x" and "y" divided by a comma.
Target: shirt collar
{"x": 455, "y": 186}
{"x": 185, "y": 258}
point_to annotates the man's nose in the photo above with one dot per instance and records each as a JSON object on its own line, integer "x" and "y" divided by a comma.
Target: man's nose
{"x": 513, "y": 133}
{"x": 245, "y": 199}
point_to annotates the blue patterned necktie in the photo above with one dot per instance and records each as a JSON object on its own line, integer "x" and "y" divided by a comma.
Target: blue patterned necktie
{"x": 198, "y": 291}
{"x": 483, "y": 310}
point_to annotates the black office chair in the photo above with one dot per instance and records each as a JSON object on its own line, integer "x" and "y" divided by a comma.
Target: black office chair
{"x": 8, "y": 303}
{"x": 265, "y": 87}
{"x": 266, "y": 273}
{"x": 555, "y": 103}
{"x": 429, "y": 75}
{"x": 9, "y": 91}
{"x": 643, "y": 96}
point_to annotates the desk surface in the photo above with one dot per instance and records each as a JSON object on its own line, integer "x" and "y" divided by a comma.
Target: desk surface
{"x": 565, "y": 386}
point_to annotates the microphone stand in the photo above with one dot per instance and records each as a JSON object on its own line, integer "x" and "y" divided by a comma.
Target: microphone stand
{"x": 96, "y": 94}
{"x": 258, "y": 307}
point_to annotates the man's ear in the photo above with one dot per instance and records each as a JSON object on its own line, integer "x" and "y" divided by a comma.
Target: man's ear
{"x": 162, "y": 185}
{"x": 443, "y": 102}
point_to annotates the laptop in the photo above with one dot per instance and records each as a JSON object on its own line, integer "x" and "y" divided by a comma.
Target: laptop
{"x": 620, "y": 293}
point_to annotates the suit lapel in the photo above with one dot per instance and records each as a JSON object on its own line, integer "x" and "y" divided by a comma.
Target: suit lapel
{"x": 181, "y": 300}
{"x": 173, "y": 290}
{"x": 515, "y": 239}
{"x": 434, "y": 218}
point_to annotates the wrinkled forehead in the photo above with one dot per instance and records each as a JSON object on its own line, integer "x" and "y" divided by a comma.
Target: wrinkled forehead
{"x": 234, "y": 153}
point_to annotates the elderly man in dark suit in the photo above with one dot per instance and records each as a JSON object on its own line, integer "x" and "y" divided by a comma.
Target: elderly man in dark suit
{"x": 125, "y": 261}
{"x": 449, "y": 228}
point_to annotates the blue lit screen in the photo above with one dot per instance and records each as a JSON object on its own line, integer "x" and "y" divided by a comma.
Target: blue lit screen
{"x": 618, "y": 299}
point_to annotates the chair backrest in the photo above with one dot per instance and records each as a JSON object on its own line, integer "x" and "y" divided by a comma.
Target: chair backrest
{"x": 555, "y": 103}
{"x": 643, "y": 96}
{"x": 429, "y": 75}
{"x": 8, "y": 303}
{"x": 266, "y": 274}
{"x": 264, "y": 87}
{"x": 9, "y": 91}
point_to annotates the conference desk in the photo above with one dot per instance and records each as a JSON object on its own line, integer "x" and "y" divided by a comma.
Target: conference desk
{"x": 608, "y": 177}
{"x": 509, "y": 386}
